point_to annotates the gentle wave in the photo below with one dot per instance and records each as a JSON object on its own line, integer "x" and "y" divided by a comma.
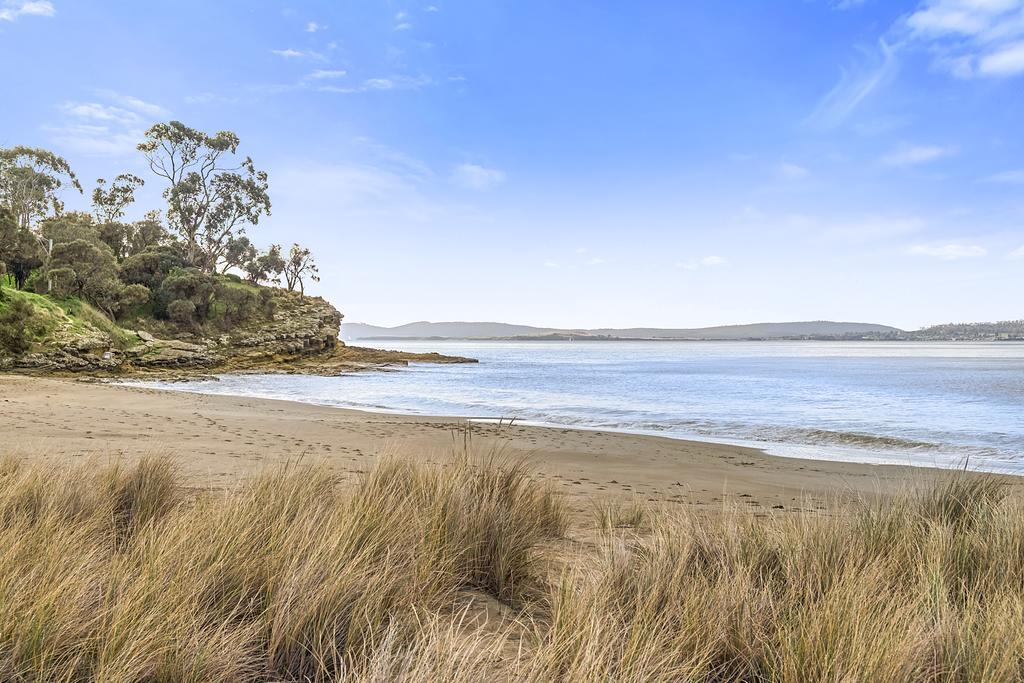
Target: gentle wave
{"x": 928, "y": 404}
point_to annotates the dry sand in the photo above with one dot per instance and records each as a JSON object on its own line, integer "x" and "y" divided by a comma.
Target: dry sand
{"x": 218, "y": 439}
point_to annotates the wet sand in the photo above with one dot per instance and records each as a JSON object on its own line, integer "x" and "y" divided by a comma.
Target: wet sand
{"x": 218, "y": 439}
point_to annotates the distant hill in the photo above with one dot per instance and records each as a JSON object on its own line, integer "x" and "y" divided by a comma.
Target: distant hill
{"x": 492, "y": 330}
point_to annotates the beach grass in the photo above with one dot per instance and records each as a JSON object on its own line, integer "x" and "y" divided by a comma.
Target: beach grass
{"x": 117, "y": 572}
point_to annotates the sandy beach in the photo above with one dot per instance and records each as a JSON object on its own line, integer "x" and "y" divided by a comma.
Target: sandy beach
{"x": 217, "y": 439}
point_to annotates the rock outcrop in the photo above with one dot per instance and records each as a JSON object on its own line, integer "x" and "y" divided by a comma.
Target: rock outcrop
{"x": 300, "y": 327}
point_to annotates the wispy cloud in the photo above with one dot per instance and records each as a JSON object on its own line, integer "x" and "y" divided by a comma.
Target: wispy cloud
{"x": 912, "y": 155}
{"x": 325, "y": 74}
{"x": 1015, "y": 177}
{"x": 402, "y": 22}
{"x": 107, "y": 128}
{"x": 37, "y": 8}
{"x": 855, "y": 85}
{"x": 134, "y": 103}
{"x": 385, "y": 83}
{"x": 705, "y": 262}
{"x": 596, "y": 261}
{"x": 971, "y": 38}
{"x": 313, "y": 27}
{"x": 1017, "y": 253}
{"x": 948, "y": 252}
{"x": 292, "y": 53}
{"x": 1008, "y": 61}
{"x": 792, "y": 171}
{"x": 476, "y": 177}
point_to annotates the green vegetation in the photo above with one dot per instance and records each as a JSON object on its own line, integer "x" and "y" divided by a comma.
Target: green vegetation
{"x": 113, "y": 573}
{"x": 174, "y": 276}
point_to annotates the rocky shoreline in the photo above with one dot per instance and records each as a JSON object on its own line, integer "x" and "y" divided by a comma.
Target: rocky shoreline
{"x": 302, "y": 339}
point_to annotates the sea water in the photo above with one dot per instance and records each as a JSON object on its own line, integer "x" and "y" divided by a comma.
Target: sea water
{"x": 930, "y": 404}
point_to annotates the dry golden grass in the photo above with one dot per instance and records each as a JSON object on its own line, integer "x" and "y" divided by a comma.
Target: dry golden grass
{"x": 105, "y": 574}
{"x": 110, "y": 573}
{"x": 925, "y": 587}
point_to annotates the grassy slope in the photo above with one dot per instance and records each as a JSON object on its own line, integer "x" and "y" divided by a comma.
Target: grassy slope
{"x": 71, "y": 314}
{"x": 109, "y": 573}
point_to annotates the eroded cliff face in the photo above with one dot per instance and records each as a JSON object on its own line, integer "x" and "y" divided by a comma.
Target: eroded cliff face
{"x": 301, "y": 327}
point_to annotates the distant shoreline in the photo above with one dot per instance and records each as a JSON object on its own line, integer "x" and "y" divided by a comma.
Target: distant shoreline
{"x": 898, "y": 340}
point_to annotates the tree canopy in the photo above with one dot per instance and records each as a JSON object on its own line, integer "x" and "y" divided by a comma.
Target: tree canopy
{"x": 209, "y": 201}
{"x": 30, "y": 179}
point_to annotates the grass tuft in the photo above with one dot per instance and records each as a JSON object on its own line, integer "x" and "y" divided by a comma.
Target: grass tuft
{"x": 110, "y": 573}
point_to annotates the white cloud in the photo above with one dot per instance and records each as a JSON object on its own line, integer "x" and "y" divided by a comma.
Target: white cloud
{"x": 325, "y": 74}
{"x": 402, "y": 21}
{"x": 313, "y": 27}
{"x": 95, "y": 139}
{"x": 36, "y": 8}
{"x": 712, "y": 261}
{"x": 1008, "y": 61}
{"x": 1018, "y": 252}
{"x": 476, "y": 177}
{"x": 431, "y": 8}
{"x": 971, "y": 38}
{"x": 134, "y": 103}
{"x": 912, "y": 155}
{"x": 100, "y": 129}
{"x": 292, "y": 53}
{"x": 100, "y": 112}
{"x": 387, "y": 83}
{"x": 854, "y": 86}
{"x": 596, "y": 261}
{"x": 948, "y": 252}
{"x": 792, "y": 171}
{"x": 1015, "y": 177}
{"x": 550, "y": 264}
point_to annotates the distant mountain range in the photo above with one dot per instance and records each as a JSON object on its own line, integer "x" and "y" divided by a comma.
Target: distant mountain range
{"x": 820, "y": 329}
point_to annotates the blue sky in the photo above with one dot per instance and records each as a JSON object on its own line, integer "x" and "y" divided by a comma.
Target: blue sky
{"x": 578, "y": 163}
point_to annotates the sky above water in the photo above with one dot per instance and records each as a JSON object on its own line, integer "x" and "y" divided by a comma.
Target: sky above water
{"x": 577, "y": 164}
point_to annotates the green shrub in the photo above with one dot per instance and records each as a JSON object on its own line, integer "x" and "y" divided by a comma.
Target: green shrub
{"x": 15, "y": 332}
{"x": 182, "y": 311}
{"x": 191, "y": 284}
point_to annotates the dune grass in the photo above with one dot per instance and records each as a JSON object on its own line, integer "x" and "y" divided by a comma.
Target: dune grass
{"x": 928, "y": 586}
{"x": 113, "y": 573}
{"x": 107, "y": 573}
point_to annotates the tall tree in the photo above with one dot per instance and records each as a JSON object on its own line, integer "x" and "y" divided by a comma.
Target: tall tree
{"x": 30, "y": 179}
{"x": 298, "y": 267}
{"x": 108, "y": 205}
{"x": 208, "y": 201}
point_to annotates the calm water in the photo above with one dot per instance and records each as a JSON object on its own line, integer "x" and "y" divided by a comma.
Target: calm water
{"x": 935, "y": 404}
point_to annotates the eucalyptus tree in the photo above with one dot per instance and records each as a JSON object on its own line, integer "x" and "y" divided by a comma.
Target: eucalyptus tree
{"x": 210, "y": 200}
{"x": 298, "y": 267}
{"x": 108, "y": 205}
{"x": 30, "y": 180}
